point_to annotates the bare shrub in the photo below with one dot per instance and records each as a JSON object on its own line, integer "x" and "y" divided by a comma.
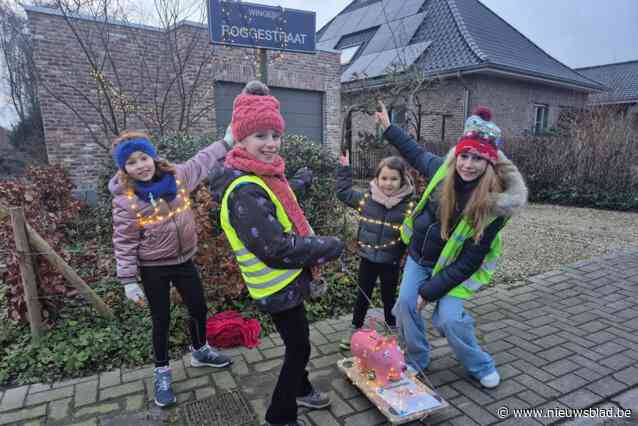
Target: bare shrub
{"x": 591, "y": 163}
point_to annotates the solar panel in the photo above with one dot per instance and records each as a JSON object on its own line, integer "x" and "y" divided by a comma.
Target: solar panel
{"x": 377, "y": 64}
{"x": 400, "y": 30}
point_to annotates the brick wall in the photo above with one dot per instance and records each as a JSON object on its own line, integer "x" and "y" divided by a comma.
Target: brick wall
{"x": 141, "y": 70}
{"x": 511, "y": 101}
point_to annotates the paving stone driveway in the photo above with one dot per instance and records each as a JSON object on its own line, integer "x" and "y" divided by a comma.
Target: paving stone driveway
{"x": 567, "y": 339}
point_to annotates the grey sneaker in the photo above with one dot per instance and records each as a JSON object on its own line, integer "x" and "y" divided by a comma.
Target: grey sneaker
{"x": 162, "y": 379}
{"x": 314, "y": 400}
{"x": 207, "y": 357}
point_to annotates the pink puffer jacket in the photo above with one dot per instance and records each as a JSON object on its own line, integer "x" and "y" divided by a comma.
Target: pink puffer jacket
{"x": 170, "y": 241}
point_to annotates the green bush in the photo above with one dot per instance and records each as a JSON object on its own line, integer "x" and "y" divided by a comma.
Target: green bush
{"x": 320, "y": 203}
{"x": 179, "y": 148}
{"x": 82, "y": 343}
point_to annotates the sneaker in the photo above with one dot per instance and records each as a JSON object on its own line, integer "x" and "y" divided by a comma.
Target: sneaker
{"x": 490, "y": 381}
{"x": 162, "y": 379}
{"x": 298, "y": 422}
{"x": 314, "y": 400}
{"x": 344, "y": 344}
{"x": 207, "y": 357}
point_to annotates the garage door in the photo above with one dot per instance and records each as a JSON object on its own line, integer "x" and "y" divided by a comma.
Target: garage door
{"x": 302, "y": 109}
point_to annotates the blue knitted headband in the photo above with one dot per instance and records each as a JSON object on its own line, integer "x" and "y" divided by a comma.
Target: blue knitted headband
{"x": 124, "y": 150}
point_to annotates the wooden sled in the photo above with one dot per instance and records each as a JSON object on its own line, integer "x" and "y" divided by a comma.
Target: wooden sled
{"x": 401, "y": 402}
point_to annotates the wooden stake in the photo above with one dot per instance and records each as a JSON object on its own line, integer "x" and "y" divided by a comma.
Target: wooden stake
{"x": 41, "y": 246}
{"x": 28, "y": 273}
{"x": 72, "y": 277}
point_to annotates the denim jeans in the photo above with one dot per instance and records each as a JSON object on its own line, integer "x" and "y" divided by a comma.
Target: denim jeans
{"x": 449, "y": 318}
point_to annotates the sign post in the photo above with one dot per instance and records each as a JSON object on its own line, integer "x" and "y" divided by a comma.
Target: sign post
{"x": 263, "y": 66}
{"x": 261, "y": 27}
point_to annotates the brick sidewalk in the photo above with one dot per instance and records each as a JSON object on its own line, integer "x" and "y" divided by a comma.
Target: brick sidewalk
{"x": 567, "y": 339}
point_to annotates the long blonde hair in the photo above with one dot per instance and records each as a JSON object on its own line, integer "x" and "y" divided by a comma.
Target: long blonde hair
{"x": 161, "y": 165}
{"x": 478, "y": 207}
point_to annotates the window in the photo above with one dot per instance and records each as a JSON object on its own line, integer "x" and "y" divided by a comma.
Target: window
{"x": 348, "y": 53}
{"x": 540, "y": 119}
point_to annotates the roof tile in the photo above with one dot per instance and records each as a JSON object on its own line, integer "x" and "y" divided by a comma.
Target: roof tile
{"x": 460, "y": 34}
{"x": 620, "y": 78}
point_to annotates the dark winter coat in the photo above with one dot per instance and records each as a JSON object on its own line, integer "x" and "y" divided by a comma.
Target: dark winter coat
{"x": 371, "y": 234}
{"x": 251, "y": 212}
{"x": 426, "y": 243}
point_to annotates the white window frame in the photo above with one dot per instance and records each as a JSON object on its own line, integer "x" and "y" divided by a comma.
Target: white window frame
{"x": 347, "y": 53}
{"x": 541, "y": 122}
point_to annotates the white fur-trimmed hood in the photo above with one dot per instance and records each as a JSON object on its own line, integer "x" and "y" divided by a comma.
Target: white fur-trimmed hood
{"x": 514, "y": 197}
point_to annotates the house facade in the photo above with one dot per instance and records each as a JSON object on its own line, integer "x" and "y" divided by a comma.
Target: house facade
{"x": 460, "y": 55}
{"x": 141, "y": 77}
{"x": 621, "y": 80}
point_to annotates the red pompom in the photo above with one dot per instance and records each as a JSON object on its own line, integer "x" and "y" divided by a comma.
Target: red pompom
{"x": 484, "y": 112}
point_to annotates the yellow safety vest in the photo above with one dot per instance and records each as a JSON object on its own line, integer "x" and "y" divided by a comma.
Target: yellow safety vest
{"x": 260, "y": 279}
{"x": 462, "y": 232}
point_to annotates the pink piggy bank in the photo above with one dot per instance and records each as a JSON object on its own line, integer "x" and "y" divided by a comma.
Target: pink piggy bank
{"x": 378, "y": 354}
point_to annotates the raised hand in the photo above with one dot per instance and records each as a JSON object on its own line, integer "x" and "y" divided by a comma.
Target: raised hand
{"x": 344, "y": 159}
{"x": 381, "y": 116}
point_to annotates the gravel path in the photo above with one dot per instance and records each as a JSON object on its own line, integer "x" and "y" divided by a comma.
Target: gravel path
{"x": 545, "y": 237}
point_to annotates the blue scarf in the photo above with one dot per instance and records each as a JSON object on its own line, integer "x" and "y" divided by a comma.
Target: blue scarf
{"x": 165, "y": 188}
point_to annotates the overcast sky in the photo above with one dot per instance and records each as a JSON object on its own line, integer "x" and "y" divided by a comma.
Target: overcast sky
{"x": 576, "y": 32}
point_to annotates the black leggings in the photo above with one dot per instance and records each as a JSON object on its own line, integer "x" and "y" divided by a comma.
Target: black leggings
{"x": 185, "y": 279}
{"x": 293, "y": 382}
{"x": 368, "y": 273}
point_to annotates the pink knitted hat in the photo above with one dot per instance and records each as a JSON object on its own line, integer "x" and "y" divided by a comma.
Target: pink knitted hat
{"x": 252, "y": 113}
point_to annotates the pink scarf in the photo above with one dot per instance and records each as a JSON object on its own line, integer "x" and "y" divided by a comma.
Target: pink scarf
{"x": 389, "y": 201}
{"x": 273, "y": 175}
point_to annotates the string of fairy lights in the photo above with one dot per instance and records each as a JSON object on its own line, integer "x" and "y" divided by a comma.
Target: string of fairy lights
{"x": 393, "y": 226}
{"x": 157, "y": 216}
{"x": 368, "y": 379}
